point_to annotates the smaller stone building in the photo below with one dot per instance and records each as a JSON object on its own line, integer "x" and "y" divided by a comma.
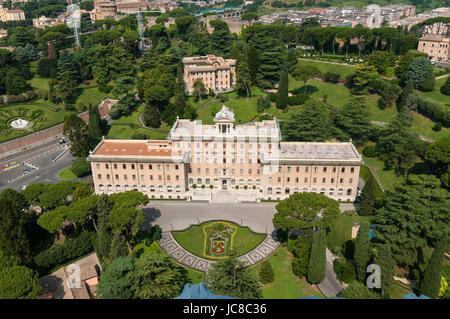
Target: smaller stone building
{"x": 216, "y": 73}
{"x": 436, "y": 46}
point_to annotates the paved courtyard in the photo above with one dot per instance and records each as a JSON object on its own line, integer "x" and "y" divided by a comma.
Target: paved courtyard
{"x": 180, "y": 215}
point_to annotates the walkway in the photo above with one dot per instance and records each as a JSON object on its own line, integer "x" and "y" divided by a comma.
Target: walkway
{"x": 181, "y": 255}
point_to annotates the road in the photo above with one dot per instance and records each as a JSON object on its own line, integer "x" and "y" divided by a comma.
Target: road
{"x": 330, "y": 286}
{"x": 39, "y": 162}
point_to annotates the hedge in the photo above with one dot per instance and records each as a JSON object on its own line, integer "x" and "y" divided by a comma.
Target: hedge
{"x": 59, "y": 254}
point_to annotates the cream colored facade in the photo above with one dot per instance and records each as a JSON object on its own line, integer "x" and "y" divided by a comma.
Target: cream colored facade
{"x": 216, "y": 73}
{"x": 436, "y": 46}
{"x": 247, "y": 162}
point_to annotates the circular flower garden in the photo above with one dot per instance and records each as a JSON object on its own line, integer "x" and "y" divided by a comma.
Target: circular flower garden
{"x": 215, "y": 239}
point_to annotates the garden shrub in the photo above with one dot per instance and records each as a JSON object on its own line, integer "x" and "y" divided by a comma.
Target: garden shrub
{"x": 332, "y": 77}
{"x": 344, "y": 271}
{"x": 59, "y": 254}
{"x": 105, "y": 88}
{"x": 282, "y": 235}
{"x": 81, "y": 167}
{"x": 370, "y": 151}
{"x": 445, "y": 88}
{"x": 138, "y": 136}
{"x": 349, "y": 249}
{"x": 273, "y": 97}
{"x": 292, "y": 241}
{"x": 266, "y": 274}
{"x": 437, "y": 127}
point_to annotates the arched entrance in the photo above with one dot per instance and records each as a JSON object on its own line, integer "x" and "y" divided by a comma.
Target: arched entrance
{"x": 224, "y": 184}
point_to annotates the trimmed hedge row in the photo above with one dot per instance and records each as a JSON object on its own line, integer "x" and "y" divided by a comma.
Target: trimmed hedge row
{"x": 60, "y": 254}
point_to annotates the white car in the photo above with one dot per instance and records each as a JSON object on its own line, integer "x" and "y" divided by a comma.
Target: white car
{"x": 24, "y": 186}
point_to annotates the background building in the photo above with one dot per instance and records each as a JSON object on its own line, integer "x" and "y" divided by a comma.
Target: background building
{"x": 216, "y": 73}
{"x": 226, "y": 162}
{"x": 436, "y": 46}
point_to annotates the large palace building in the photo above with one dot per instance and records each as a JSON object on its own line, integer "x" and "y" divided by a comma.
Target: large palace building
{"x": 226, "y": 162}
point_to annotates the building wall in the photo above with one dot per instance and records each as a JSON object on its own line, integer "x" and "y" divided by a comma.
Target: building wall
{"x": 157, "y": 180}
{"x": 436, "y": 50}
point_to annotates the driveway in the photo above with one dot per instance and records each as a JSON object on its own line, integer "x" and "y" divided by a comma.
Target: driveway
{"x": 330, "y": 286}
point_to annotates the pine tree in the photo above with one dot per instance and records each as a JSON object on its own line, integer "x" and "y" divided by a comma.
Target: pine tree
{"x": 151, "y": 116}
{"x": 118, "y": 246}
{"x": 431, "y": 282}
{"x": 362, "y": 250}
{"x": 445, "y": 88}
{"x": 283, "y": 88}
{"x": 229, "y": 277}
{"x": 266, "y": 274}
{"x": 407, "y": 91}
{"x": 67, "y": 66}
{"x": 317, "y": 258}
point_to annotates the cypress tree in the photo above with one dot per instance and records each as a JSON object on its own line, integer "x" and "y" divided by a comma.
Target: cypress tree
{"x": 94, "y": 125}
{"x": 317, "y": 258}
{"x": 407, "y": 91}
{"x": 431, "y": 282}
{"x": 266, "y": 274}
{"x": 151, "y": 116}
{"x": 283, "y": 88}
{"x": 445, "y": 88}
{"x": 368, "y": 199}
{"x": 386, "y": 262}
{"x": 362, "y": 250}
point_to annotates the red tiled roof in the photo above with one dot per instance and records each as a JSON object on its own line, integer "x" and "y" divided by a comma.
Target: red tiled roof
{"x": 139, "y": 148}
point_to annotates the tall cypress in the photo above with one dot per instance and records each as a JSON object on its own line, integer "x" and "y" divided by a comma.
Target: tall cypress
{"x": 362, "y": 250}
{"x": 431, "y": 282}
{"x": 283, "y": 88}
{"x": 94, "y": 125}
{"x": 317, "y": 258}
{"x": 407, "y": 91}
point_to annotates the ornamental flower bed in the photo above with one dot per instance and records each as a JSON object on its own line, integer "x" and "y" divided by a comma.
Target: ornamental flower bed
{"x": 218, "y": 239}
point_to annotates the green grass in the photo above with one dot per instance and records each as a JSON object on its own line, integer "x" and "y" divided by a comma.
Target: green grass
{"x": 193, "y": 239}
{"x": 125, "y": 132}
{"x": 193, "y": 277}
{"x": 324, "y": 67}
{"x": 285, "y": 285}
{"x": 397, "y": 291}
{"x": 243, "y": 111}
{"x": 388, "y": 178}
{"x": 341, "y": 232}
{"x": 67, "y": 173}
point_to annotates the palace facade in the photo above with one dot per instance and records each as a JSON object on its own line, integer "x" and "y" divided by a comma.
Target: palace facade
{"x": 226, "y": 162}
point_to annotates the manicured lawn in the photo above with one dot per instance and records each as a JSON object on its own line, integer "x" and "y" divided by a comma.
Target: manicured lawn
{"x": 193, "y": 277}
{"x": 243, "y": 112}
{"x": 133, "y": 118}
{"x": 67, "y": 173}
{"x": 40, "y": 116}
{"x": 285, "y": 285}
{"x": 397, "y": 291}
{"x": 324, "y": 67}
{"x": 125, "y": 132}
{"x": 193, "y": 239}
{"x": 424, "y": 126}
{"x": 436, "y": 93}
{"x": 341, "y": 232}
